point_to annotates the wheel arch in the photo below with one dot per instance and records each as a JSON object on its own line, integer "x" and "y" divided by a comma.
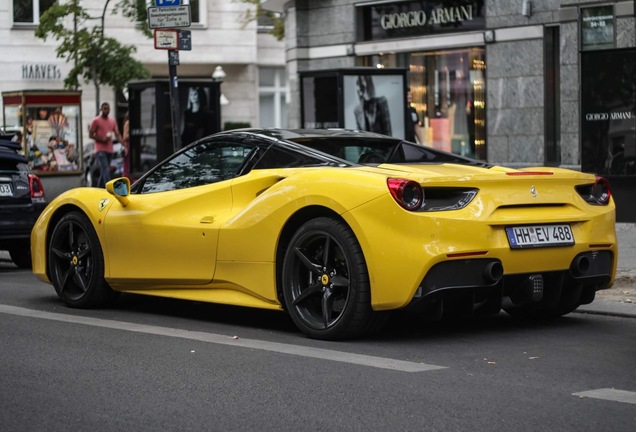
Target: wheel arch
{"x": 59, "y": 213}
{"x": 291, "y": 226}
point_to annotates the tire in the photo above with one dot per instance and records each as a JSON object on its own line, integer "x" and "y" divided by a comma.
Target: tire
{"x": 21, "y": 255}
{"x": 76, "y": 263}
{"x": 326, "y": 283}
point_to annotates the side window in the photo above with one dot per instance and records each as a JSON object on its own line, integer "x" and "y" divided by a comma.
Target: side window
{"x": 30, "y": 11}
{"x": 206, "y": 163}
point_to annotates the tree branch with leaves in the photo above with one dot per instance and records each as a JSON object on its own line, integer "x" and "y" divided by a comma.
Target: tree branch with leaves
{"x": 95, "y": 57}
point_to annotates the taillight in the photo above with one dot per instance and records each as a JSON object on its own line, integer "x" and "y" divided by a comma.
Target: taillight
{"x": 407, "y": 193}
{"x": 35, "y": 185}
{"x": 597, "y": 193}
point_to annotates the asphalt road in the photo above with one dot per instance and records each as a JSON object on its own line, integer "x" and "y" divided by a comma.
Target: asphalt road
{"x": 157, "y": 364}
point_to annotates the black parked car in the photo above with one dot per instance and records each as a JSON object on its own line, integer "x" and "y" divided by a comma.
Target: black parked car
{"x": 22, "y": 200}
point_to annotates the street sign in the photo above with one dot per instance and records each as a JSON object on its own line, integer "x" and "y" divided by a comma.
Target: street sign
{"x": 169, "y": 16}
{"x": 166, "y": 39}
{"x": 185, "y": 40}
{"x": 166, "y": 3}
{"x": 173, "y": 58}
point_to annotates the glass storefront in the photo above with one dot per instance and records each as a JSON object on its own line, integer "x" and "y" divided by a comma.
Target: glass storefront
{"x": 449, "y": 94}
{"x": 50, "y": 127}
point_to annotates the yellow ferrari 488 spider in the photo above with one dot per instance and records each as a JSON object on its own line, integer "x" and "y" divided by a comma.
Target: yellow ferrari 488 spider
{"x": 337, "y": 228}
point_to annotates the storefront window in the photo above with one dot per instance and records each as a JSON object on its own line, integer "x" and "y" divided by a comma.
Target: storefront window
{"x": 51, "y": 128}
{"x": 449, "y": 94}
{"x": 608, "y": 117}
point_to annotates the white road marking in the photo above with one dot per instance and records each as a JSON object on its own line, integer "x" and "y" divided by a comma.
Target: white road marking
{"x": 609, "y": 394}
{"x": 318, "y": 353}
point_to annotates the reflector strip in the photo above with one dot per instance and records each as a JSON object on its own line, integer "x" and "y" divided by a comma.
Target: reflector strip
{"x": 465, "y": 254}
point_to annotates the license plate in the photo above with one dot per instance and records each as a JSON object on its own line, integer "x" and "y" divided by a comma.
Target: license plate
{"x": 5, "y": 189}
{"x": 532, "y": 236}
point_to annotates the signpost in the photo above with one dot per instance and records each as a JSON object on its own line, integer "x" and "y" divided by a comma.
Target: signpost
{"x": 164, "y": 18}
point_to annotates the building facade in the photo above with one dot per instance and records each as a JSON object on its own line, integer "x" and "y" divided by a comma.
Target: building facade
{"x": 253, "y": 91}
{"x": 513, "y": 82}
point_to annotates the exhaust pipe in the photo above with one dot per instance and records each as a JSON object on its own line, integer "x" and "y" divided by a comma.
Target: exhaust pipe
{"x": 580, "y": 266}
{"x": 493, "y": 272}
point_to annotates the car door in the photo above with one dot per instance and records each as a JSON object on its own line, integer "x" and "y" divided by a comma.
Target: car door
{"x": 168, "y": 232}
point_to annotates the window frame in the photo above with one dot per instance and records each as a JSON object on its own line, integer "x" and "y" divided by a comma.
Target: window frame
{"x": 37, "y": 13}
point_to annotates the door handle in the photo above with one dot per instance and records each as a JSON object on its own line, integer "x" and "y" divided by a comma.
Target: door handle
{"x": 207, "y": 219}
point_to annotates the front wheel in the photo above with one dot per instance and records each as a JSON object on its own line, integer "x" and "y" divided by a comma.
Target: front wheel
{"x": 326, "y": 283}
{"x": 76, "y": 263}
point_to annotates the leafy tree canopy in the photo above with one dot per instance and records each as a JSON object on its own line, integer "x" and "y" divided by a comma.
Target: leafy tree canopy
{"x": 95, "y": 57}
{"x": 265, "y": 17}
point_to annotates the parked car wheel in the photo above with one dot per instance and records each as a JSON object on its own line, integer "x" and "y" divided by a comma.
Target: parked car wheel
{"x": 326, "y": 282}
{"x": 76, "y": 263}
{"x": 21, "y": 255}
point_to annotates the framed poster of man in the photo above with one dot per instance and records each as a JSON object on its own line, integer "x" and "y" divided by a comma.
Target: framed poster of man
{"x": 362, "y": 98}
{"x": 374, "y": 102}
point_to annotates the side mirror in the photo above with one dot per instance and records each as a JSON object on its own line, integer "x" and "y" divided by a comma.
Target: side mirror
{"x": 120, "y": 189}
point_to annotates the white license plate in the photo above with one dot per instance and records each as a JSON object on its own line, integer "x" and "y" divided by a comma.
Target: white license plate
{"x": 532, "y": 236}
{"x": 5, "y": 189}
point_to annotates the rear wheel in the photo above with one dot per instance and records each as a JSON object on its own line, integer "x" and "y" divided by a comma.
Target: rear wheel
{"x": 76, "y": 263}
{"x": 326, "y": 283}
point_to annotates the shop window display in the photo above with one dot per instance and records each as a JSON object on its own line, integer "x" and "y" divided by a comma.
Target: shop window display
{"x": 50, "y": 131}
{"x": 449, "y": 93}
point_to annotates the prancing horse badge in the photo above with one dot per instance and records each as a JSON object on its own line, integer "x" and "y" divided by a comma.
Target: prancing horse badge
{"x": 102, "y": 203}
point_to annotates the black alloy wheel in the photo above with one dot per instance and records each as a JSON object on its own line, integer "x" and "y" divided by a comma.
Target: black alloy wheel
{"x": 76, "y": 263}
{"x": 326, "y": 283}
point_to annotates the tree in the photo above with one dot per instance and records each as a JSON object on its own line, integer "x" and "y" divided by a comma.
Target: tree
{"x": 274, "y": 20}
{"x": 95, "y": 57}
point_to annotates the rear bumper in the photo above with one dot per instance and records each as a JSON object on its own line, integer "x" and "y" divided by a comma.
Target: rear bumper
{"x": 472, "y": 283}
{"x": 16, "y": 223}
{"x": 403, "y": 250}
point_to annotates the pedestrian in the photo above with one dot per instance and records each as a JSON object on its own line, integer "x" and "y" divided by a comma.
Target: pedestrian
{"x": 413, "y": 130}
{"x": 103, "y": 129}
{"x": 126, "y": 144}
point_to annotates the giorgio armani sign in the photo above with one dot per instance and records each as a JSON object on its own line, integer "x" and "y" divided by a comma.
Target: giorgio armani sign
{"x": 416, "y": 18}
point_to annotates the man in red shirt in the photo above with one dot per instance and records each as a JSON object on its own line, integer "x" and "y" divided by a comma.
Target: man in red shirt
{"x": 102, "y": 130}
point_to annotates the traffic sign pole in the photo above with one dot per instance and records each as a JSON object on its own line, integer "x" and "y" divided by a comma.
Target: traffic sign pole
{"x": 168, "y": 14}
{"x": 173, "y": 61}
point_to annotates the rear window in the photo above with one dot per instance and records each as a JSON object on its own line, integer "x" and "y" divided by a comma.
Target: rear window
{"x": 375, "y": 151}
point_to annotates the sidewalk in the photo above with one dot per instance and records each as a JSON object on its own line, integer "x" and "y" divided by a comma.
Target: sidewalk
{"x": 626, "y": 270}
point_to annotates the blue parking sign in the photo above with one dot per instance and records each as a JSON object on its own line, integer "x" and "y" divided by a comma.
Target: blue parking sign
{"x": 166, "y": 3}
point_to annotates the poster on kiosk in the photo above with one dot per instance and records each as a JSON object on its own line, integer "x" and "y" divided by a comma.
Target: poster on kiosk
{"x": 367, "y": 99}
